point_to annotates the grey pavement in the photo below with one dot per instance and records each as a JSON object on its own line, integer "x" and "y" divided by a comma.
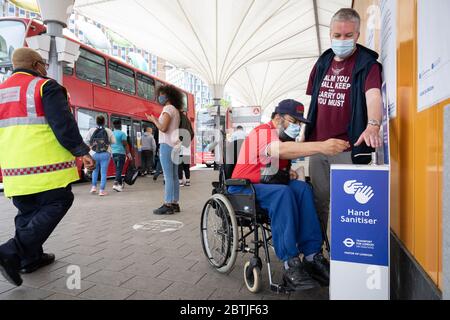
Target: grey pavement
{"x": 118, "y": 262}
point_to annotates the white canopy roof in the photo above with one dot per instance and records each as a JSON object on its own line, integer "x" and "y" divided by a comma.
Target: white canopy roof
{"x": 267, "y": 83}
{"x": 216, "y": 39}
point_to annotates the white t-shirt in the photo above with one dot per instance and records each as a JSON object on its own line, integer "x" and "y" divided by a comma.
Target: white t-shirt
{"x": 171, "y": 136}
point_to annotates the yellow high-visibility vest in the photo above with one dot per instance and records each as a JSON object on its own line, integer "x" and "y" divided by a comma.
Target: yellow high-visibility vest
{"x": 31, "y": 158}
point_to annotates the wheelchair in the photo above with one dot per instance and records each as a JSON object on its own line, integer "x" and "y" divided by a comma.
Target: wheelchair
{"x": 233, "y": 223}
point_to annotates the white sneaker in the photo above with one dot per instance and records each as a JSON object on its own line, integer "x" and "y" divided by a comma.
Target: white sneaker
{"x": 187, "y": 183}
{"x": 181, "y": 183}
{"x": 117, "y": 188}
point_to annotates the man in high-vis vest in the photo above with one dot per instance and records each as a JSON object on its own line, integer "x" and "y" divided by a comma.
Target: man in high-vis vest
{"x": 39, "y": 140}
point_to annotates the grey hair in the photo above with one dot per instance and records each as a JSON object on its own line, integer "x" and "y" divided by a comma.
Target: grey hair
{"x": 347, "y": 14}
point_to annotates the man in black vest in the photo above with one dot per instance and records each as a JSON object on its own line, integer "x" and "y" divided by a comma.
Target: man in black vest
{"x": 346, "y": 103}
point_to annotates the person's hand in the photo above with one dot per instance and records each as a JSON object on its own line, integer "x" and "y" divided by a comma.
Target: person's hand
{"x": 88, "y": 162}
{"x": 333, "y": 147}
{"x": 129, "y": 156}
{"x": 293, "y": 175}
{"x": 151, "y": 118}
{"x": 371, "y": 136}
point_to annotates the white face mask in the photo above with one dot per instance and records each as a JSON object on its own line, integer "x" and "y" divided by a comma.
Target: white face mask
{"x": 343, "y": 48}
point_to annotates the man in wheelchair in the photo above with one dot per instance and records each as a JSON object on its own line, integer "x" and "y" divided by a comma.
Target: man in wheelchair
{"x": 264, "y": 159}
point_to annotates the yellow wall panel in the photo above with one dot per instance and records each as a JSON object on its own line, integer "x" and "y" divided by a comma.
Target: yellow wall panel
{"x": 406, "y": 110}
{"x": 426, "y": 191}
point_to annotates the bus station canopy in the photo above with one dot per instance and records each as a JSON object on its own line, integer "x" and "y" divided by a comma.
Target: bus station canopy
{"x": 227, "y": 41}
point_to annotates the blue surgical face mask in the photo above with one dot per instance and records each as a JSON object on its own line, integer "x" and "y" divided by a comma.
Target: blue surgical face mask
{"x": 343, "y": 48}
{"x": 290, "y": 133}
{"x": 162, "y": 100}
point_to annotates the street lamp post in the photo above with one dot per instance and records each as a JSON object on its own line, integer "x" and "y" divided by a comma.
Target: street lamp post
{"x": 52, "y": 46}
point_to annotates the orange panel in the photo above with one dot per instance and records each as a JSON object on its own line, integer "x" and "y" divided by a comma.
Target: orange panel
{"x": 426, "y": 191}
{"x": 406, "y": 110}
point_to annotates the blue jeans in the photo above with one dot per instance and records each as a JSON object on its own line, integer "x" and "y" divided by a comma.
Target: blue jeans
{"x": 294, "y": 221}
{"x": 170, "y": 170}
{"x": 119, "y": 162}
{"x": 102, "y": 162}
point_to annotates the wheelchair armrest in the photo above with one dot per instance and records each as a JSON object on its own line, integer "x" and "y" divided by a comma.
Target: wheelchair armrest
{"x": 238, "y": 183}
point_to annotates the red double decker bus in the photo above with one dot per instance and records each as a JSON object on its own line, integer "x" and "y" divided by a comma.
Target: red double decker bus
{"x": 99, "y": 84}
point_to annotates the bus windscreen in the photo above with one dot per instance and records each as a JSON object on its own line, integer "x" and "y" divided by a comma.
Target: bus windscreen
{"x": 12, "y": 34}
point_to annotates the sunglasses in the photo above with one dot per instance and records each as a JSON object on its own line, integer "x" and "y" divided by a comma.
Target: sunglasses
{"x": 292, "y": 120}
{"x": 46, "y": 65}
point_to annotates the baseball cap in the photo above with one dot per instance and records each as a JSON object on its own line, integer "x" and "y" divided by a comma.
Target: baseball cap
{"x": 293, "y": 108}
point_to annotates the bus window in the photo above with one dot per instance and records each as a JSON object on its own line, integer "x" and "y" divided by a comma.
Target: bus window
{"x": 87, "y": 120}
{"x": 68, "y": 71}
{"x": 158, "y": 84}
{"x": 126, "y": 124}
{"x": 137, "y": 135}
{"x": 185, "y": 102}
{"x": 146, "y": 87}
{"x": 91, "y": 67}
{"x": 121, "y": 78}
{"x": 12, "y": 36}
{"x": 155, "y": 130}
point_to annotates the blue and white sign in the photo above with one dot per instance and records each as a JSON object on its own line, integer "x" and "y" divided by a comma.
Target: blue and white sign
{"x": 359, "y": 232}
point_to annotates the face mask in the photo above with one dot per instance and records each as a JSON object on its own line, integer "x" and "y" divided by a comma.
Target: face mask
{"x": 343, "y": 48}
{"x": 290, "y": 133}
{"x": 162, "y": 100}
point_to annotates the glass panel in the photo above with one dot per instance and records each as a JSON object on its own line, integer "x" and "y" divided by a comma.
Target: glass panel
{"x": 87, "y": 120}
{"x": 146, "y": 87}
{"x": 126, "y": 126}
{"x": 12, "y": 35}
{"x": 121, "y": 78}
{"x": 158, "y": 84}
{"x": 185, "y": 102}
{"x": 137, "y": 136}
{"x": 91, "y": 67}
{"x": 68, "y": 71}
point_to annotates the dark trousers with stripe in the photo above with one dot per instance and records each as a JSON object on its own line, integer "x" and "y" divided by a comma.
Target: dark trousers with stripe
{"x": 38, "y": 216}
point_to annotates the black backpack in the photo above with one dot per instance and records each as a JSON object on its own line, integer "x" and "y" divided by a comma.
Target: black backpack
{"x": 100, "y": 140}
{"x": 186, "y": 125}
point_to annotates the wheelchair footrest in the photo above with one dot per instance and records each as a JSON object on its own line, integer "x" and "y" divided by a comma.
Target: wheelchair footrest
{"x": 277, "y": 288}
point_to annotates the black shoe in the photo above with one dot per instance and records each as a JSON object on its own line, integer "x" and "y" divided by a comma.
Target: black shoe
{"x": 295, "y": 278}
{"x": 46, "y": 259}
{"x": 176, "y": 207}
{"x": 164, "y": 209}
{"x": 319, "y": 269}
{"x": 10, "y": 270}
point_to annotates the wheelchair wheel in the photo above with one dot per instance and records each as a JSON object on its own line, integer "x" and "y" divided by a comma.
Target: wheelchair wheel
{"x": 219, "y": 233}
{"x": 252, "y": 279}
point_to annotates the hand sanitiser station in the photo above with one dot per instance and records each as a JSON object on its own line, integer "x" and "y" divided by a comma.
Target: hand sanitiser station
{"x": 359, "y": 267}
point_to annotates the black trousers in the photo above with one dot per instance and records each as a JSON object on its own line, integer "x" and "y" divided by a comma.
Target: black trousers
{"x": 186, "y": 167}
{"x": 38, "y": 216}
{"x": 147, "y": 160}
